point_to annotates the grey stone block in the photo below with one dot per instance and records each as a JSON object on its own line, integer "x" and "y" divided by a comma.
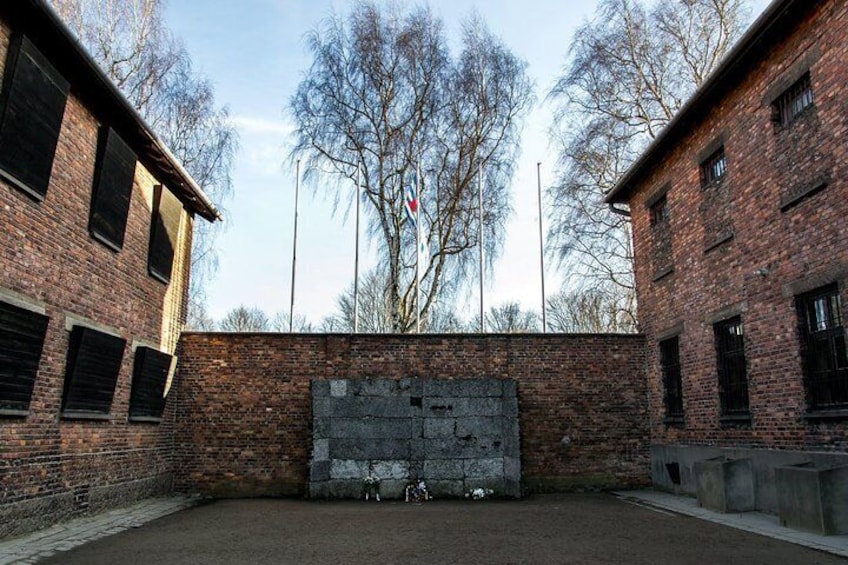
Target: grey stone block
{"x": 417, "y": 449}
{"x": 348, "y": 469}
{"x": 510, "y": 406}
{"x": 416, "y": 469}
{"x": 496, "y": 484}
{"x": 457, "y": 448}
{"x": 372, "y": 449}
{"x": 479, "y": 427}
{"x": 510, "y": 388}
{"x": 511, "y": 437}
{"x": 725, "y": 485}
{"x": 319, "y": 471}
{"x": 338, "y": 388}
{"x": 392, "y": 489}
{"x": 398, "y": 470}
{"x": 410, "y": 386}
{"x": 439, "y": 469}
{"x": 321, "y": 407}
{"x": 377, "y": 387}
{"x": 484, "y": 468}
{"x": 371, "y": 428}
{"x": 512, "y": 469}
{"x": 439, "y": 427}
{"x": 319, "y": 490}
{"x": 320, "y": 388}
{"x": 320, "y": 428}
{"x": 373, "y": 406}
{"x": 321, "y": 449}
{"x": 345, "y": 488}
{"x": 813, "y": 499}
{"x": 446, "y": 489}
{"x": 512, "y": 489}
{"x": 453, "y": 407}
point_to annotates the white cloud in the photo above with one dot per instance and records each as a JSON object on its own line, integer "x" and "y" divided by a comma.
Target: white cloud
{"x": 250, "y": 124}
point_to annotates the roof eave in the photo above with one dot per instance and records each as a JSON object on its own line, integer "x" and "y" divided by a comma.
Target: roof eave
{"x": 746, "y": 50}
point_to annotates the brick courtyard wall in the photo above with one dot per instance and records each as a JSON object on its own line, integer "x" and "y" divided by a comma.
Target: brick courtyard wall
{"x": 53, "y": 468}
{"x": 244, "y": 408}
{"x": 780, "y": 246}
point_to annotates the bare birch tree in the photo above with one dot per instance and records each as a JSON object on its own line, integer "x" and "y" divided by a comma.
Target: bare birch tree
{"x": 244, "y": 319}
{"x": 384, "y": 93}
{"x": 628, "y": 72}
{"x": 133, "y": 46}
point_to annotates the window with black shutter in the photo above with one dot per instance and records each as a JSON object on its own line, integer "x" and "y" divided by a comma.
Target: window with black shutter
{"x": 21, "y": 342}
{"x": 94, "y": 361}
{"x": 672, "y": 379}
{"x": 732, "y": 370}
{"x": 823, "y": 348}
{"x": 32, "y": 106}
{"x": 113, "y": 183}
{"x": 150, "y": 374}
{"x": 164, "y": 229}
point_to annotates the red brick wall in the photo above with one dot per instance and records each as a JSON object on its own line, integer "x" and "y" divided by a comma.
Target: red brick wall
{"x": 244, "y": 412}
{"x": 798, "y": 249}
{"x": 48, "y": 257}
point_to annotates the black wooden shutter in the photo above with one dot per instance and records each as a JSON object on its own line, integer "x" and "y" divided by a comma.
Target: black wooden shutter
{"x": 94, "y": 361}
{"x": 33, "y": 104}
{"x": 150, "y": 374}
{"x": 21, "y": 342}
{"x": 113, "y": 183}
{"x": 163, "y": 233}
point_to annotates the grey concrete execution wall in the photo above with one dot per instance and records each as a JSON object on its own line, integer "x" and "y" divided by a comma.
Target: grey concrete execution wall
{"x": 456, "y": 435}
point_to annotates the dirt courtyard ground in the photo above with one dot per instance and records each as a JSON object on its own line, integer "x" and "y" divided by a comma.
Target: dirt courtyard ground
{"x": 575, "y": 528}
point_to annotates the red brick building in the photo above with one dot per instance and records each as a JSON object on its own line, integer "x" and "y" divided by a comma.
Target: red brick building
{"x": 95, "y": 241}
{"x": 740, "y": 223}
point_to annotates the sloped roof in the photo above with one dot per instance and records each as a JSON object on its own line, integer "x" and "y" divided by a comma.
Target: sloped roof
{"x": 776, "y": 23}
{"x": 46, "y": 29}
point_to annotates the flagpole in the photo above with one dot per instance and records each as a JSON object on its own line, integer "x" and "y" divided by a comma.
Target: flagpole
{"x": 294, "y": 244}
{"x": 480, "y": 237}
{"x": 541, "y": 248}
{"x": 418, "y": 248}
{"x": 356, "y": 258}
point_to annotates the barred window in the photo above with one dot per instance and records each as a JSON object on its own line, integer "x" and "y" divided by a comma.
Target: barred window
{"x": 672, "y": 378}
{"x": 659, "y": 211}
{"x": 732, "y": 369}
{"x": 793, "y": 101}
{"x": 714, "y": 168}
{"x": 823, "y": 348}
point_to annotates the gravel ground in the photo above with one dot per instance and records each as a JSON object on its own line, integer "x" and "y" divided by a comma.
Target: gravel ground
{"x": 574, "y": 528}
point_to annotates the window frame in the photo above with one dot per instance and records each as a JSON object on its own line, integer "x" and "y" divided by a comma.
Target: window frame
{"x": 164, "y": 233}
{"x": 708, "y": 171}
{"x": 93, "y": 365}
{"x": 31, "y": 177}
{"x": 783, "y": 107}
{"x": 831, "y": 382}
{"x": 29, "y": 337}
{"x": 672, "y": 377}
{"x": 732, "y": 370}
{"x": 151, "y": 369}
{"x": 112, "y": 187}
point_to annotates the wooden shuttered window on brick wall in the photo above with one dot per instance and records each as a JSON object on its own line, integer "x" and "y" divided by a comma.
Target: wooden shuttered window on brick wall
{"x": 164, "y": 230}
{"x": 94, "y": 362}
{"x": 112, "y": 190}
{"x": 150, "y": 374}
{"x": 32, "y": 106}
{"x": 21, "y": 342}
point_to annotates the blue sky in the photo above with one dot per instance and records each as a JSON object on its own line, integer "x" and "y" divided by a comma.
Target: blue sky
{"x": 253, "y": 51}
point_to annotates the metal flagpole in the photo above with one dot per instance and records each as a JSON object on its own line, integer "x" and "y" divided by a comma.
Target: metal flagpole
{"x": 294, "y": 244}
{"x": 541, "y": 249}
{"x": 480, "y": 236}
{"x": 418, "y": 247}
{"x": 356, "y": 259}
